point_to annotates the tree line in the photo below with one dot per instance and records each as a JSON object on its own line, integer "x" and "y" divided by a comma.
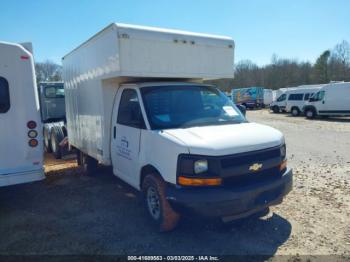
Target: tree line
{"x": 331, "y": 65}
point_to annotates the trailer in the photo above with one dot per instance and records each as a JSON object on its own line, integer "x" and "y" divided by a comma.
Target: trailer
{"x": 135, "y": 101}
{"x": 21, "y": 148}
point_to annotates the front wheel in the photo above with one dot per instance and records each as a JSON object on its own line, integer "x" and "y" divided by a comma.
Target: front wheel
{"x": 295, "y": 111}
{"x": 156, "y": 204}
{"x": 275, "y": 109}
{"x": 310, "y": 113}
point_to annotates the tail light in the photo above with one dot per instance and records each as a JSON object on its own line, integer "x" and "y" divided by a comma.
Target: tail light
{"x": 32, "y": 133}
{"x": 31, "y": 124}
{"x": 33, "y": 142}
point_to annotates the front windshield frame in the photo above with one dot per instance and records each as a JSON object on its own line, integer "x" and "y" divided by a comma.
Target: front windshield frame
{"x": 154, "y": 126}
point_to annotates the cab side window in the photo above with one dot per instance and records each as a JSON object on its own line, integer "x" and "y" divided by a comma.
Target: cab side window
{"x": 307, "y": 96}
{"x": 129, "y": 112}
{"x": 4, "y": 96}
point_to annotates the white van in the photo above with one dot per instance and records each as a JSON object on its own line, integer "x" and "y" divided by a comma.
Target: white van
{"x": 279, "y": 105}
{"x": 134, "y": 100}
{"x": 297, "y": 98}
{"x": 331, "y": 100}
{"x": 21, "y": 148}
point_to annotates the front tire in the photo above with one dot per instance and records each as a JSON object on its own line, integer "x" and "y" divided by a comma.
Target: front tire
{"x": 295, "y": 111}
{"x": 56, "y": 138}
{"x": 47, "y": 141}
{"x": 156, "y": 204}
{"x": 310, "y": 113}
{"x": 275, "y": 109}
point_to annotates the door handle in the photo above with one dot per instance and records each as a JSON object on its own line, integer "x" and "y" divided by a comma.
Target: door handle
{"x": 114, "y": 132}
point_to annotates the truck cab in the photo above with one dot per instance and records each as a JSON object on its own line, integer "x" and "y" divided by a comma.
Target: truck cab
{"x": 189, "y": 149}
{"x": 53, "y": 114}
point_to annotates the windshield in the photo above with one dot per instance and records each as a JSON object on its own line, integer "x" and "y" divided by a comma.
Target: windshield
{"x": 317, "y": 97}
{"x": 188, "y": 106}
{"x": 54, "y": 91}
{"x": 282, "y": 98}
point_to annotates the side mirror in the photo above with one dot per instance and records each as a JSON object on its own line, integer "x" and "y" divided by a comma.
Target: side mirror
{"x": 242, "y": 109}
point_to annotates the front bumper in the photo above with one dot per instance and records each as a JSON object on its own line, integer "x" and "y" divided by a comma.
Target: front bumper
{"x": 228, "y": 202}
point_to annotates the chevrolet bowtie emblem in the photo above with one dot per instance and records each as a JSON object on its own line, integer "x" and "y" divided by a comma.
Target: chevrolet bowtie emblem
{"x": 255, "y": 167}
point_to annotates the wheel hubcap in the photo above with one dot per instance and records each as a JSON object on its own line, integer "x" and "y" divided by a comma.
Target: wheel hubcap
{"x": 153, "y": 202}
{"x": 309, "y": 113}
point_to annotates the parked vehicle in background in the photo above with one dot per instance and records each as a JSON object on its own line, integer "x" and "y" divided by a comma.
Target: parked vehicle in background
{"x": 250, "y": 97}
{"x": 297, "y": 98}
{"x": 268, "y": 97}
{"x": 181, "y": 143}
{"x": 280, "y": 104}
{"x": 331, "y": 100}
{"x": 21, "y": 145}
{"x": 53, "y": 114}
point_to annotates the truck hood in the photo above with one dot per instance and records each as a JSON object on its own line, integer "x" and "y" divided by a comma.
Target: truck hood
{"x": 227, "y": 139}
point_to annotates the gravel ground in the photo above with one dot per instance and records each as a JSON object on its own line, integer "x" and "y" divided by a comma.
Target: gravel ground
{"x": 70, "y": 213}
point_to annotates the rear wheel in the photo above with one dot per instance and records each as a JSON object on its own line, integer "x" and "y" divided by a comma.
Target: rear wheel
{"x": 88, "y": 163}
{"x": 47, "y": 141}
{"x": 56, "y": 138}
{"x": 295, "y": 111}
{"x": 156, "y": 204}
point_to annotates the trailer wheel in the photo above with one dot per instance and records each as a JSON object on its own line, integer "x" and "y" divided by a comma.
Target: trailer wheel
{"x": 89, "y": 164}
{"x": 275, "y": 109}
{"x": 157, "y": 206}
{"x": 56, "y": 137}
{"x": 295, "y": 111}
{"x": 47, "y": 141}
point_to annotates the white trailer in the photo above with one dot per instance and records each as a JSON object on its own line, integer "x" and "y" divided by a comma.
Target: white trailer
{"x": 21, "y": 148}
{"x": 184, "y": 145}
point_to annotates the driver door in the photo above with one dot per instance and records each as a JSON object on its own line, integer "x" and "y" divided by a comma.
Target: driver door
{"x": 126, "y": 135}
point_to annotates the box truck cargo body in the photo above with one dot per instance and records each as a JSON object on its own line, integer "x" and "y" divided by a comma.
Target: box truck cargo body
{"x": 134, "y": 100}
{"x": 21, "y": 152}
{"x": 250, "y": 97}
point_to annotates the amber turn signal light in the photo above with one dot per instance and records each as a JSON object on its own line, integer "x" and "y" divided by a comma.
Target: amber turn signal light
{"x": 283, "y": 165}
{"x": 186, "y": 181}
{"x": 33, "y": 142}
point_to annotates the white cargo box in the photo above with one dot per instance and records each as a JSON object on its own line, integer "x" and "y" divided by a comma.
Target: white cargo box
{"x": 123, "y": 53}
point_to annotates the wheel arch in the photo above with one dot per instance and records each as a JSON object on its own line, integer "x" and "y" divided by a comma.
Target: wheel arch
{"x": 146, "y": 170}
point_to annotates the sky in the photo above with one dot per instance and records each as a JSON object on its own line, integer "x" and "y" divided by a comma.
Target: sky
{"x": 297, "y": 29}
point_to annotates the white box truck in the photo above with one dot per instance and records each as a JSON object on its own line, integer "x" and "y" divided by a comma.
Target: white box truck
{"x": 21, "y": 148}
{"x": 134, "y": 101}
{"x": 331, "y": 100}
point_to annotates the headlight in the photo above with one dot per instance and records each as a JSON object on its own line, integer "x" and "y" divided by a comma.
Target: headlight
{"x": 283, "y": 151}
{"x": 200, "y": 166}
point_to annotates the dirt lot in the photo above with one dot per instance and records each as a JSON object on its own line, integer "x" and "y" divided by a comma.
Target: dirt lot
{"x": 70, "y": 213}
